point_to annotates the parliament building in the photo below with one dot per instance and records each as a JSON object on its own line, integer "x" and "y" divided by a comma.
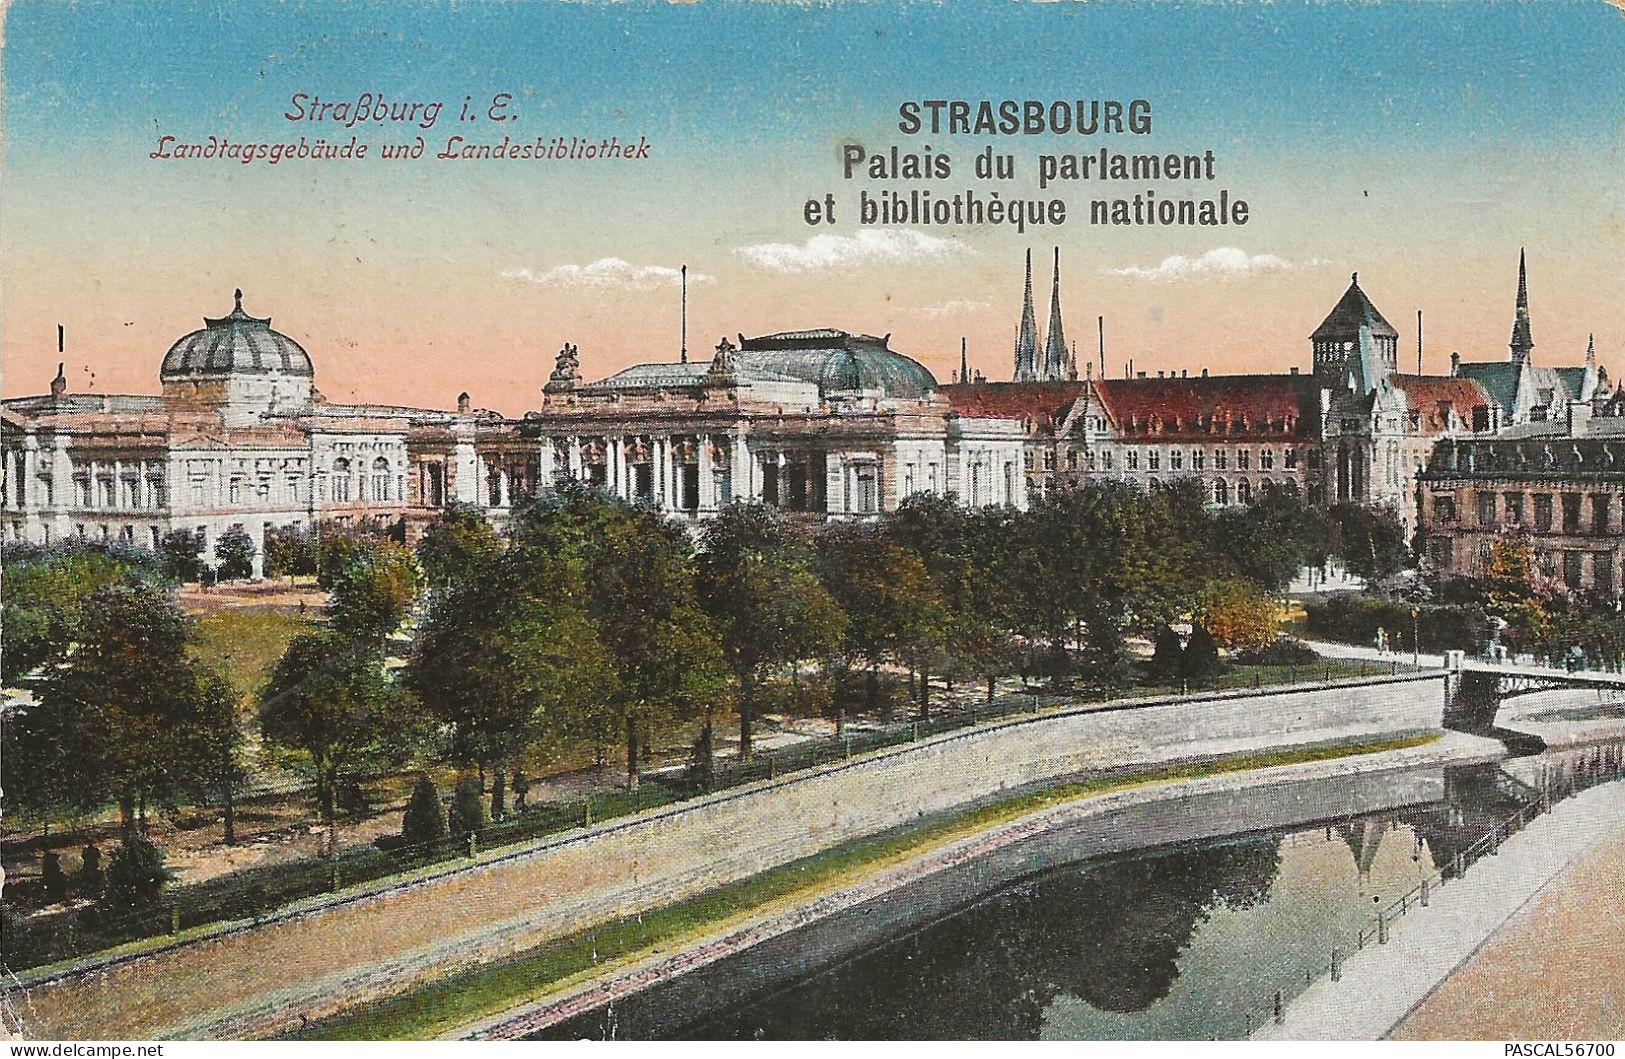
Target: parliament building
{"x": 821, "y": 422}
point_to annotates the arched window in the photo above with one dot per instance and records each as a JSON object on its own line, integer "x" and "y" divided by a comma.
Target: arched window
{"x": 380, "y": 479}
{"x": 1244, "y": 492}
{"x": 1221, "y": 491}
{"x": 341, "y": 480}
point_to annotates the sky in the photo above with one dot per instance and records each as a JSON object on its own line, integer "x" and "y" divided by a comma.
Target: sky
{"x": 1421, "y": 144}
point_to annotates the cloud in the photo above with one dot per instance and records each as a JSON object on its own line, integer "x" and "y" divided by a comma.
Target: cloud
{"x": 869, "y": 246}
{"x": 1226, "y": 261}
{"x": 956, "y": 307}
{"x": 606, "y": 273}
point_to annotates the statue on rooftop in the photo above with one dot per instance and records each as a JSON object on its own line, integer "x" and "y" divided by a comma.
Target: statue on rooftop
{"x": 566, "y": 371}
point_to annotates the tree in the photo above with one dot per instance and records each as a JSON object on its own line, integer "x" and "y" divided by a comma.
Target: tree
{"x": 127, "y": 709}
{"x": 1167, "y": 656}
{"x": 1201, "y": 660}
{"x": 45, "y": 596}
{"x": 467, "y": 807}
{"x": 1238, "y": 615}
{"x": 372, "y": 589}
{"x": 758, "y": 583}
{"x": 329, "y": 704}
{"x": 1267, "y": 542}
{"x": 424, "y": 822}
{"x": 234, "y": 554}
{"x": 290, "y": 551}
{"x": 456, "y": 545}
{"x": 1370, "y": 540}
{"x": 891, "y": 608}
{"x": 640, "y": 579}
{"x": 180, "y": 554}
{"x": 136, "y": 877}
{"x": 510, "y": 656}
{"x": 213, "y": 741}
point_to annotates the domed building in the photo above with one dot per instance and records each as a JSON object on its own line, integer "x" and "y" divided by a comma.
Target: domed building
{"x": 822, "y": 421}
{"x": 240, "y": 365}
{"x": 239, "y": 439}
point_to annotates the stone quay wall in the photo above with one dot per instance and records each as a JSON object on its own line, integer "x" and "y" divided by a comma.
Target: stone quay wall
{"x": 330, "y": 954}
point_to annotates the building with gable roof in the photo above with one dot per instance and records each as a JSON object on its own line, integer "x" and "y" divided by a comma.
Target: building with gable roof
{"x": 1354, "y": 429}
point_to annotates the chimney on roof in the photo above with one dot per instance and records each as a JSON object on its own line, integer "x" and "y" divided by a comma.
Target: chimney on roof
{"x": 1204, "y": 373}
{"x": 1294, "y": 369}
{"x": 1184, "y": 373}
{"x": 59, "y": 385}
{"x": 1140, "y": 375}
{"x": 1455, "y": 363}
{"x": 462, "y": 403}
{"x": 1159, "y": 374}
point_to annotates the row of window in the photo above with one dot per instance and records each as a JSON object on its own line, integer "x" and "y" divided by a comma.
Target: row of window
{"x": 1570, "y": 564}
{"x": 1177, "y": 459}
{"x": 1510, "y": 509}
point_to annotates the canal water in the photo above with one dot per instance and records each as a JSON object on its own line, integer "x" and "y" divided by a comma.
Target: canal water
{"x": 1098, "y": 940}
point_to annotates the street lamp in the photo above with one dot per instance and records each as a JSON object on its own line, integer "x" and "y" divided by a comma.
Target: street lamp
{"x": 1416, "y": 636}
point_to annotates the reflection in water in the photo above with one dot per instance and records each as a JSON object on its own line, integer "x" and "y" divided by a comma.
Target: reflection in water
{"x": 1170, "y": 943}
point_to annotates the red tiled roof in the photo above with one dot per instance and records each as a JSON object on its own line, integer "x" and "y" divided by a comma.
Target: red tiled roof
{"x": 1044, "y": 404}
{"x": 1424, "y": 393}
{"x": 1206, "y": 404}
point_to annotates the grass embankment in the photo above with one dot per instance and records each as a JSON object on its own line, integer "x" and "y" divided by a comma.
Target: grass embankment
{"x": 469, "y": 997}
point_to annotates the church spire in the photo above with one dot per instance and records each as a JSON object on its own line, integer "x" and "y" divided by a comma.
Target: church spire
{"x": 1027, "y": 336}
{"x": 1522, "y": 342}
{"x": 1055, "y": 351}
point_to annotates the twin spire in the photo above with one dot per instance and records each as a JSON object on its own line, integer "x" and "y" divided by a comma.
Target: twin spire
{"x": 1056, "y": 357}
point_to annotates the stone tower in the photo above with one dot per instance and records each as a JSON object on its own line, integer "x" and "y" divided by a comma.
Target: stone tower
{"x": 1354, "y": 347}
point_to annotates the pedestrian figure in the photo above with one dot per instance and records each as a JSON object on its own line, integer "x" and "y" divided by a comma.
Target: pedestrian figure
{"x": 1382, "y": 640}
{"x": 53, "y": 881}
{"x": 90, "y": 871}
{"x": 521, "y": 788}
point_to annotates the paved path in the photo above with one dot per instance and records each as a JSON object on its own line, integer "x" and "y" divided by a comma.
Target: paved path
{"x": 1552, "y": 973}
{"x": 1424, "y": 660}
{"x": 1382, "y": 984}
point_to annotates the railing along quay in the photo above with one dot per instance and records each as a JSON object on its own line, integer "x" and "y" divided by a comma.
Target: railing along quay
{"x": 1602, "y": 765}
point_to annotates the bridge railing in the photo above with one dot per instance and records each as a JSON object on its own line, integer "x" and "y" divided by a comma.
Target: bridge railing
{"x": 1601, "y": 765}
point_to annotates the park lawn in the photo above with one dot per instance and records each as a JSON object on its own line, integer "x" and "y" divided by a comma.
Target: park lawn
{"x": 467, "y": 998}
{"x": 244, "y": 644}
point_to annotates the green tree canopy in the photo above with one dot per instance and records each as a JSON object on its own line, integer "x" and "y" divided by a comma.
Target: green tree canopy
{"x": 759, "y": 583}
{"x": 330, "y": 705}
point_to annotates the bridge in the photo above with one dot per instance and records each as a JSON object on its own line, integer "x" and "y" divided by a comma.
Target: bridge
{"x": 1516, "y": 679}
{"x": 1479, "y": 686}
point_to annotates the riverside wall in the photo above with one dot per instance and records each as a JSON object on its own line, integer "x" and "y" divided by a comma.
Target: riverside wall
{"x": 317, "y": 959}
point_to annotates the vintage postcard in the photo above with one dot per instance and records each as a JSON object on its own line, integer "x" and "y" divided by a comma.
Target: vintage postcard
{"x": 885, "y": 521}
